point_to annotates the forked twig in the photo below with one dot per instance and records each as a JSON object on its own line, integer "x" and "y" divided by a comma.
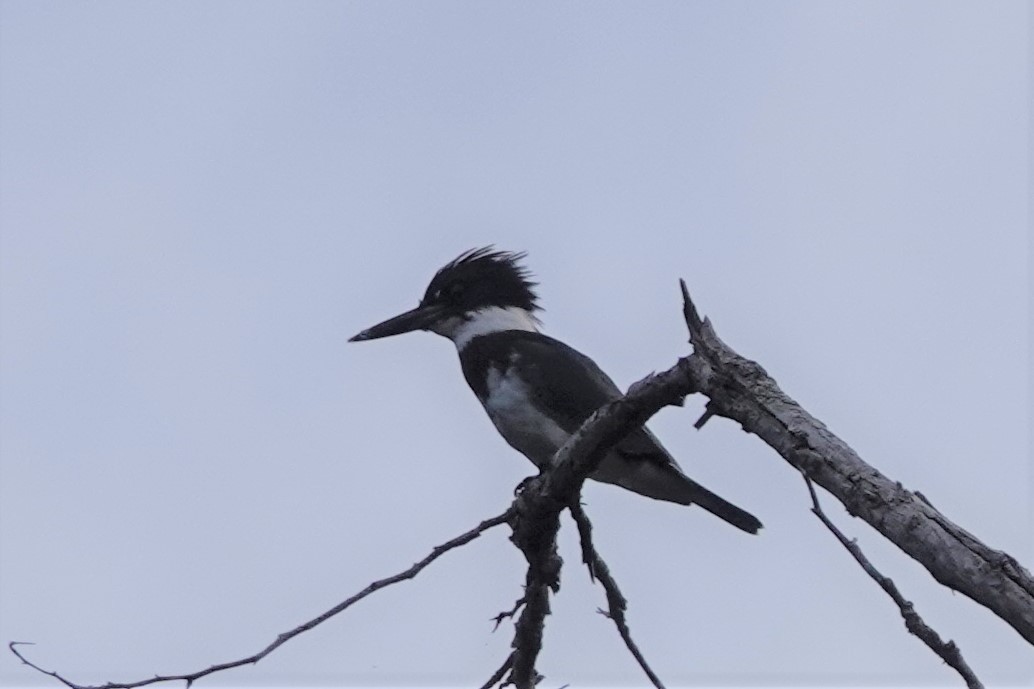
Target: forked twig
{"x": 498, "y": 619}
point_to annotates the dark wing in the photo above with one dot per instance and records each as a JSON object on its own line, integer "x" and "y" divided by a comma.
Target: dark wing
{"x": 563, "y": 380}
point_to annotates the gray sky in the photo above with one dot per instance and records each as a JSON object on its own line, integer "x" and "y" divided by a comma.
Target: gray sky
{"x": 200, "y": 202}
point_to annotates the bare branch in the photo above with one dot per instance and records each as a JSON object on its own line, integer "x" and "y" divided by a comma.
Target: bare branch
{"x": 589, "y": 554}
{"x": 22, "y": 658}
{"x": 616, "y": 602}
{"x": 191, "y": 677}
{"x": 497, "y": 676}
{"x": 498, "y": 619}
{"x": 741, "y": 390}
{"x": 915, "y": 624}
{"x": 535, "y": 524}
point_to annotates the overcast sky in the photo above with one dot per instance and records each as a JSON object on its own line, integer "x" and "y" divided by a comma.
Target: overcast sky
{"x": 201, "y": 201}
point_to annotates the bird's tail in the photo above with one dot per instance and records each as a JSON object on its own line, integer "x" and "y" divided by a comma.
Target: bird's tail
{"x": 722, "y": 508}
{"x": 667, "y": 482}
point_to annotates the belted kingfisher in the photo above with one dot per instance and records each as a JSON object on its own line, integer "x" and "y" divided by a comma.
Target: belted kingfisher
{"x": 537, "y": 390}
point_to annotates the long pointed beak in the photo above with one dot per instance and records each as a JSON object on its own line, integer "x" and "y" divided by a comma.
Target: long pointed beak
{"x": 418, "y": 319}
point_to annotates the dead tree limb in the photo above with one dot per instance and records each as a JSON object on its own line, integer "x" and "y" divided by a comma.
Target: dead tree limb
{"x": 739, "y": 389}
{"x": 915, "y": 624}
{"x": 497, "y": 676}
{"x": 280, "y": 640}
{"x": 616, "y": 601}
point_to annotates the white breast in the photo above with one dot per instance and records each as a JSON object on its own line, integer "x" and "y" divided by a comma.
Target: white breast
{"x": 510, "y": 407}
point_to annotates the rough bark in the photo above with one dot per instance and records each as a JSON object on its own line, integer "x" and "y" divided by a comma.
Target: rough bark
{"x": 741, "y": 390}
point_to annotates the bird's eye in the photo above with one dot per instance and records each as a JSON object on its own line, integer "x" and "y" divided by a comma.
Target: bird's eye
{"x": 456, "y": 289}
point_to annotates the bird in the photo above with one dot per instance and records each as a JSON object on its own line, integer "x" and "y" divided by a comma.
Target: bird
{"x": 537, "y": 390}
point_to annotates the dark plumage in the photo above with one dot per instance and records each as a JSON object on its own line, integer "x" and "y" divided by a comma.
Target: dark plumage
{"x": 555, "y": 375}
{"x": 483, "y": 276}
{"x": 537, "y": 390}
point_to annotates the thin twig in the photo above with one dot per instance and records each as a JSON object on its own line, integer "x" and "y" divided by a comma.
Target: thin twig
{"x": 498, "y": 619}
{"x": 615, "y": 600}
{"x": 915, "y": 624}
{"x": 585, "y": 538}
{"x": 497, "y": 677}
{"x": 51, "y": 673}
{"x": 190, "y": 678}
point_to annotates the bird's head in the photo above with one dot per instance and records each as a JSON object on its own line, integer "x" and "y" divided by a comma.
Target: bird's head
{"x": 481, "y": 291}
